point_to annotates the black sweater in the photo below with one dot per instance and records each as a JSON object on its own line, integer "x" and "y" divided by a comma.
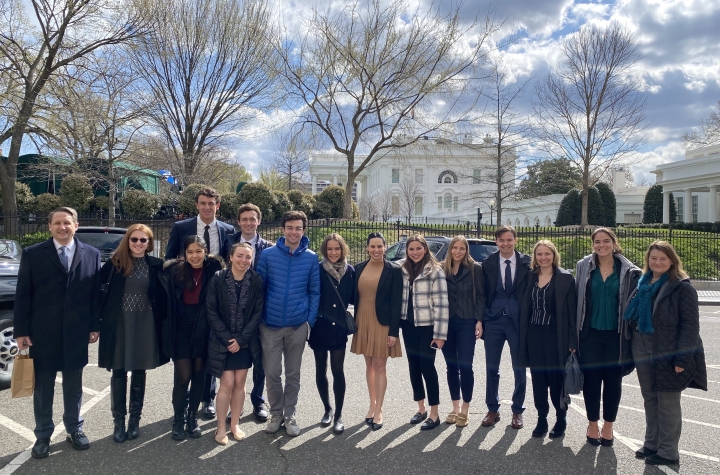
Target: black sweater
{"x": 464, "y": 301}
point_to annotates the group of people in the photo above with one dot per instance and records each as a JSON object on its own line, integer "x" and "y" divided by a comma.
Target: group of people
{"x": 223, "y": 302}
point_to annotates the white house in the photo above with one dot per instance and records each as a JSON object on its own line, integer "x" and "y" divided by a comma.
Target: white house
{"x": 694, "y": 183}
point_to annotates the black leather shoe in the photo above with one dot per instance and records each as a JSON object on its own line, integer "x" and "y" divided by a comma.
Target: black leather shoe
{"x": 78, "y": 440}
{"x": 41, "y": 449}
{"x": 368, "y": 421}
{"x": 119, "y": 434}
{"x": 430, "y": 424}
{"x": 376, "y": 425}
{"x": 178, "y": 426}
{"x": 418, "y": 417}
{"x": 339, "y": 427}
{"x": 133, "y": 428}
{"x": 191, "y": 425}
{"x": 644, "y": 452}
{"x": 208, "y": 410}
{"x": 541, "y": 428}
{"x": 260, "y": 413}
{"x": 655, "y": 459}
{"x": 558, "y": 429}
{"x": 327, "y": 418}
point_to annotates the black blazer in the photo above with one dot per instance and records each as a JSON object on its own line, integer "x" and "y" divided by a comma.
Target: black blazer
{"x": 491, "y": 268}
{"x": 55, "y": 308}
{"x": 330, "y": 330}
{"x": 388, "y": 299}
{"x": 188, "y": 227}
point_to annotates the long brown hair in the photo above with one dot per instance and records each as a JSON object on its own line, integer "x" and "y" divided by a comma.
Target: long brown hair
{"x": 676, "y": 271}
{"x": 344, "y": 249}
{"x": 122, "y": 258}
{"x": 616, "y": 246}
{"x": 415, "y": 269}
{"x": 467, "y": 261}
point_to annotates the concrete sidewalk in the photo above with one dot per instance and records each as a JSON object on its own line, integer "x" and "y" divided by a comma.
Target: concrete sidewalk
{"x": 709, "y": 297}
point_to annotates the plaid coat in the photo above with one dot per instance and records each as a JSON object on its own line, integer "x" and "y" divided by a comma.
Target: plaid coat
{"x": 430, "y": 299}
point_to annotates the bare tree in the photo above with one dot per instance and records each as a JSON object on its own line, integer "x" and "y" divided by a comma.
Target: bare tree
{"x": 368, "y": 208}
{"x": 589, "y": 109}
{"x": 33, "y": 51}
{"x": 291, "y": 159}
{"x": 411, "y": 196}
{"x": 205, "y": 65}
{"x": 383, "y": 202}
{"x": 362, "y": 81}
{"x": 707, "y": 133}
{"x": 272, "y": 178}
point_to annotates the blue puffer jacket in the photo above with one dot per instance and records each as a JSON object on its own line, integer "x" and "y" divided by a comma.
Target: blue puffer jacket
{"x": 292, "y": 284}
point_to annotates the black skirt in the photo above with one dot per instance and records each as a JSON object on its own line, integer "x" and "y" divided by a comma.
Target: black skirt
{"x": 184, "y": 333}
{"x": 240, "y": 360}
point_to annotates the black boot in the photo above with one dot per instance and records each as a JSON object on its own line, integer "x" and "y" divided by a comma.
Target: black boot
{"x": 541, "y": 428}
{"x": 178, "y": 426}
{"x": 118, "y": 397}
{"x": 137, "y": 396}
{"x": 558, "y": 429}
{"x": 191, "y": 424}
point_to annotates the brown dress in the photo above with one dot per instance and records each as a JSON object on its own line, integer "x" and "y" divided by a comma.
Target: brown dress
{"x": 371, "y": 337}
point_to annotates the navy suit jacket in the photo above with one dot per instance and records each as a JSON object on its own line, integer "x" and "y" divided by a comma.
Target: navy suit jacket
{"x": 188, "y": 227}
{"x": 55, "y": 308}
{"x": 491, "y": 268}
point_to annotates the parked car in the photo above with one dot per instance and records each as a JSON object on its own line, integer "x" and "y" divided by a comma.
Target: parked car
{"x": 438, "y": 245}
{"x": 105, "y": 240}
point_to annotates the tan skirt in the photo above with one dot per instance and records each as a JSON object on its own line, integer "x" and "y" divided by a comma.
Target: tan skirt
{"x": 371, "y": 337}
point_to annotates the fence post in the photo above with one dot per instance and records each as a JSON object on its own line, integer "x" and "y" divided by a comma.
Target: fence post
{"x": 397, "y": 223}
{"x": 537, "y": 232}
{"x": 670, "y": 229}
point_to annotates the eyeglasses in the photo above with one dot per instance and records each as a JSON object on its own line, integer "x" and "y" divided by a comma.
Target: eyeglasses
{"x": 136, "y": 239}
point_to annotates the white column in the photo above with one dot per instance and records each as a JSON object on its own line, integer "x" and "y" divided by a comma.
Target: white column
{"x": 666, "y": 207}
{"x": 712, "y": 204}
{"x": 313, "y": 182}
{"x": 687, "y": 206}
{"x": 335, "y": 179}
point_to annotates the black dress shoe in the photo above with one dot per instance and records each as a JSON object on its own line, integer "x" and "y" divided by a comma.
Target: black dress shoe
{"x": 41, "y": 449}
{"x": 327, "y": 418}
{"x": 644, "y": 452}
{"x": 339, "y": 427}
{"x": 376, "y": 425}
{"x": 558, "y": 429}
{"x": 607, "y": 442}
{"x": 430, "y": 424}
{"x": 368, "y": 420}
{"x": 78, "y": 440}
{"x": 418, "y": 417}
{"x": 541, "y": 428}
{"x": 655, "y": 459}
{"x": 208, "y": 410}
{"x": 260, "y": 413}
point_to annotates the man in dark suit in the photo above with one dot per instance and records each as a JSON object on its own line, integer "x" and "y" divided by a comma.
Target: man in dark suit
{"x": 215, "y": 233}
{"x": 505, "y": 275}
{"x": 55, "y": 318}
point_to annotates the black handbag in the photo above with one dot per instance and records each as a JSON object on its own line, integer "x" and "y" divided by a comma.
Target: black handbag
{"x": 349, "y": 318}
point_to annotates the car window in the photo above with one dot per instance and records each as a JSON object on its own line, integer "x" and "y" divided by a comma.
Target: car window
{"x": 480, "y": 252}
{"x": 435, "y": 247}
{"x": 395, "y": 252}
{"x": 109, "y": 241}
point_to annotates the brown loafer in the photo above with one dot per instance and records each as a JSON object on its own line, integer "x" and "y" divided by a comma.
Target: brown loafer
{"x": 517, "y": 421}
{"x": 490, "y": 419}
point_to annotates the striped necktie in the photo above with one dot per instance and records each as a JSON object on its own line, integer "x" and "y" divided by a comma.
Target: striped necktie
{"x": 64, "y": 258}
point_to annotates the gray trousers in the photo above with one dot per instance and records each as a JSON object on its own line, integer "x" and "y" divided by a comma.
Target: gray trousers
{"x": 276, "y": 343}
{"x": 663, "y": 414}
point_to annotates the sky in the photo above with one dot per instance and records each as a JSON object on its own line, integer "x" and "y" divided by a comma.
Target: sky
{"x": 680, "y": 63}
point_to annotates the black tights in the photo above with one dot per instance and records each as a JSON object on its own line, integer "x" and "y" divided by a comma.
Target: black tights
{"x": 188, "y": 372}
{"x": 337, "y": 359}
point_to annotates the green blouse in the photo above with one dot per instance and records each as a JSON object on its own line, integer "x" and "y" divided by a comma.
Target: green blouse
{"x": 604, "y": 300}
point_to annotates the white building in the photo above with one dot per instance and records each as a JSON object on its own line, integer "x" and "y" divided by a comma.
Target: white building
{"x": 694, "y": 183}
{"x": 439, "y": 179}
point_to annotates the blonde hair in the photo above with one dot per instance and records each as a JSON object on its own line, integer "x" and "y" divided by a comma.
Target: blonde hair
{"x": 467, "y": 261}
{"x": 676, "y": 271}
{"x": 122, "y": 257}
{"x": 556, "y": 255}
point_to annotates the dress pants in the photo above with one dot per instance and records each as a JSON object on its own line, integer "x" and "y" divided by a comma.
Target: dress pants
{"x": 210, "y": 388}
{"x": 602, "y": 376}
{"x": 663, "y": 413}
{"x": 544, "y": 368}
{"x": 43, "y": 397}
{"x": 459, "y": 351}
{"x": 287, "y": 342}
{"x": 421, "y": 362}
{"x": 497, "y": 332}
{"x": 256, "y": 395}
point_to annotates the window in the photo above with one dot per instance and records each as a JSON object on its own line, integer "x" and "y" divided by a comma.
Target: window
{"x": 440, "y": 203}
{"x": 517, "y": 222}
{"x": 455, "y": 203}
{"x": 679, "y": 201}
{"x": 448, "y": 201}
{"x": 395, "y": 204}
{"x": 447, "y": 176}
{"x": 694, "y": 205}
{"x": 395, "y": 176}
{"x": 476, "y": 176}
{"x": 418, "y": 206}
{"x": 418, "y": 176}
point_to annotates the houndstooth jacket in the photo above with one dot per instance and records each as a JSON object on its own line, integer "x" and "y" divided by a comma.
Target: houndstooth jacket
{"x": 430, "y": 299}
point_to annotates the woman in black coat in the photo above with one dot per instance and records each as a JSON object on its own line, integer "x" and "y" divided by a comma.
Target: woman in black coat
{"x": 547, "y": 333}
{"x": 234, "y": 310}
{"x": 132, "y": 310}
{"x": 329, "y": 335}
{"x": 667, "y": 349}
{"x": 185, "y": 332}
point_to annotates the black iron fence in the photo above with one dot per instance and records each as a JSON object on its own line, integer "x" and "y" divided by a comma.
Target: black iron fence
{"x": 700, "y": 251}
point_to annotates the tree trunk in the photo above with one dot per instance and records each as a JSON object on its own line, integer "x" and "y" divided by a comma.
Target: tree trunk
{"x": 8, "y": 179}
{"x": 111, "y": 206}
{"x": 347, "y": 201}
{"x": 584, "y": 205}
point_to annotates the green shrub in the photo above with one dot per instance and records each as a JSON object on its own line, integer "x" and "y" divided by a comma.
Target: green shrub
{"x": 260, "y": 195}
{"x": 76, "y": 192}
{"x": 329, "y": 203}
{"x": 139, "y": 204}
{"x": 186, "y": 202}
{"x": 569, "y": 210}
{"x": 282, "y": 204}
{"x": 653, "y": 205}
{"x": 24, "y": 198}
{"x": 609, "y": 204}
{"x": 46, "y": 203}
{"x": 301, "y": 201}
{"x": 102, "y": 202}
{"x": 34, "y": 238}
{"x": 228, "y": 206}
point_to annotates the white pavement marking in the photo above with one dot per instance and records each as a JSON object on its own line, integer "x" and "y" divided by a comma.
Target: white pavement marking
{"x": 691, "y": 421}
{"x": 89, "y": 391}
{"x": 683, "y": 395}
{"x": 17, "y": 428}
{"x": 713, "y": 366}
{"x": 24, "y": 456}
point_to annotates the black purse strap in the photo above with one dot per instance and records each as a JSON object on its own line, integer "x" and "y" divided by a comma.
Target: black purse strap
{"x": 336, "y": 290}
{"x": 107, "y": 284}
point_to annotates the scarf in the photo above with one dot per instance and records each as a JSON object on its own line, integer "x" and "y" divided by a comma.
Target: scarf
{"x": 237, "y": 303}
{"x": 335, "y": 269}
{"x": 640, "y": 308}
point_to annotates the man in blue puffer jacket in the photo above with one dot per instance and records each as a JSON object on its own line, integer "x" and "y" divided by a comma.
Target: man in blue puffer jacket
{"x": 291, "y": 274}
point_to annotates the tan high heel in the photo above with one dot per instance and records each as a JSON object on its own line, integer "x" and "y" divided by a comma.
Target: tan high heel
{"x": 223, "y": 440}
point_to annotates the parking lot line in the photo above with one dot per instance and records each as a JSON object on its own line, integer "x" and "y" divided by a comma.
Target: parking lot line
{"x": 683, "y": 395}
{"x": 89, "y": 391}
{"x": 691, "y": 421}
{"x": 19, "y": 429}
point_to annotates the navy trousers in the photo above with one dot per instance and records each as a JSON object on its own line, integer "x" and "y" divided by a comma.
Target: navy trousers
{"x": 459, "y": 352}
{"x": 497, "y": 332}
{"x": 44, "y": 395}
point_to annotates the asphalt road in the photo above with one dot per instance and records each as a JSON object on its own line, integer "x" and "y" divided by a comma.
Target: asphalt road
{"x": 398, "y": 448}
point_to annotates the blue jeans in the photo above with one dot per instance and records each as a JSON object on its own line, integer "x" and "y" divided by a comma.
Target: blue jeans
{"x": 497, "y": 331}
{"x": 459, "y": 351}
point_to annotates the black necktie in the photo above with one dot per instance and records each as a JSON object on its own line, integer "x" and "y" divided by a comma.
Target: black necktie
{"x": 206, "y": 236}
{"x": 508, "y": 275}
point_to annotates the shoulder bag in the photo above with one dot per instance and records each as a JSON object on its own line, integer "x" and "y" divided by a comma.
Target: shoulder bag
{"x": 349, "y": 318}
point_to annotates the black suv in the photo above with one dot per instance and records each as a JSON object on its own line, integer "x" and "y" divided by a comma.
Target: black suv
{"x": 438, "y": 245}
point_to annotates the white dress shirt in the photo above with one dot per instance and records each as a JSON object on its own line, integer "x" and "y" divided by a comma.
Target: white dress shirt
{"x": 214, "y": 235}
{"x": 513, "y": 265}
{"x": 69, "y": 251}
{"x": 252, "y": 241}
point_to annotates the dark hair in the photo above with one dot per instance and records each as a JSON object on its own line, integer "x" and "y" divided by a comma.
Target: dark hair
{"x": 184, "y": 272}
{"x": 249, "y": 207}
{"x": 504, "y": 228}
{"x": 375, "y": 235}
{"x": 64, "y": 209}
{"x": 294, "y": 216}
{"x": 244, "y": 244}
{"x": 616, "y": 246}
{"x": 415, "y": 268}
{"x": 344, "y": 249}
{"x": 209, "y": 192}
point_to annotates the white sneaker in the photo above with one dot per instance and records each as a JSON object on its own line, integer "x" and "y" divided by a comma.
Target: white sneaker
{"x": 291, "y": 427}
{"x": 274, "y": 424}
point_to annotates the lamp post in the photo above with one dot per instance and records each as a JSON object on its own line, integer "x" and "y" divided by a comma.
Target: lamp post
{"x": 492, "y": 207}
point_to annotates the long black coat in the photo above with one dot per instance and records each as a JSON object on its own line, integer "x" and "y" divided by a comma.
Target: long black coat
{"x": 218, "y": 311}
{"x": 565, "y": 296}
{"x": 676, "y": 339}
{"x": 201, "y": 329}
{"x": 111, "y": 307}
{"x": 330, "y": 329}
{"x": 55, "y": 308}
{"x": 388, "y": 299}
